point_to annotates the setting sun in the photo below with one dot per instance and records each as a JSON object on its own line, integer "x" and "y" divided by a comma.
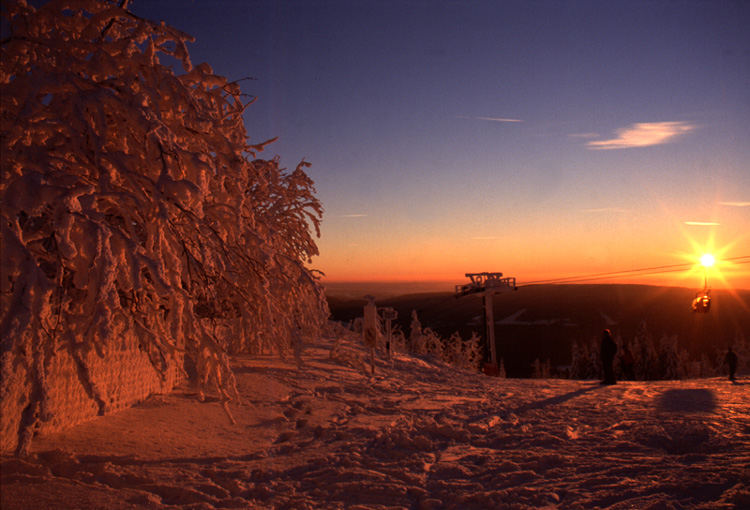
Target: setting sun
{"x": 708, "y": 260}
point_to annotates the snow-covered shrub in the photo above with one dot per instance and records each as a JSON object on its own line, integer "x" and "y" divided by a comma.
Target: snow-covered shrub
{"x": 652, "y": 359}
{"x": 398, "y": 340}
{"x": 462, "y": 353}
{"x": 536, "y": 371}
{"x": 416, "y": 341}
{"x": 433, "y": 344}
{"x": 501, "y": 369}
{"x": 453, "y": 350}
{"x": 133, "y": 205}
{"x": 585, "y": 362}
{"x": 675, "y": 363}
{"x": 741, "y": 346}
{"x": 645, "y": 354}
{"x": 473, "y": 352}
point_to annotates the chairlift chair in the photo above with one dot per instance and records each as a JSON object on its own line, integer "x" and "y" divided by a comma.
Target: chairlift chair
{"x": 702, "y": 301}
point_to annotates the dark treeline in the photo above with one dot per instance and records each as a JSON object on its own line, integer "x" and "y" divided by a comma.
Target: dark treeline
{"x": 537, "y": 327}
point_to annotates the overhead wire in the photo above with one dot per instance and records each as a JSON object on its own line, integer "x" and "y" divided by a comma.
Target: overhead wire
{"x": 644, "y": 271}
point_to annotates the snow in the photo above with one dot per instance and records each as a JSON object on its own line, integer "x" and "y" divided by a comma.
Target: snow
{"x": 420, "y": 434}
{"x": 135, "y": 210}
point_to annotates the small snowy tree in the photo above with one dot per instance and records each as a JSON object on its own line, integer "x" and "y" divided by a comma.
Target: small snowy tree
{"x": 501, "y": 370}
{"x": 645, "y": 354}
{"x": 742, "y": 346}
{"x": 398, "y": 340}
{"x": 536, "y": 369}
{"x": 415, "y": 334}
{"x": 473, "y": 352}
{"x": 585, "y": 362}
{"x": 133, "y": 204}
{"x": 433, "y": 344}
{"x": 453, "y": 352}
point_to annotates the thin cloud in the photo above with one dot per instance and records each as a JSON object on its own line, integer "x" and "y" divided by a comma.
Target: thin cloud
{"x": 644, "y": 134}
{"x": 605, "y": 210}
{"x": 491, "y": 119}
{"x": 735, "y": 204}
{"x": 484, "y": 238}
{"x": 353, "y": 216}
{"x": 584, "y": 135}
{"x": 702, "y": 223}
{"x": 498, "y": 119}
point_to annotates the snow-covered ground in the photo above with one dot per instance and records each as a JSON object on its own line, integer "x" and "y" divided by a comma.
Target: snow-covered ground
{"x": 417, "y": 435}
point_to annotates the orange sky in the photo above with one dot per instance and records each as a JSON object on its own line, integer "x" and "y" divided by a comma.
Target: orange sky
{"x": 581, "y": 249}
{"x": 537, "y": 139}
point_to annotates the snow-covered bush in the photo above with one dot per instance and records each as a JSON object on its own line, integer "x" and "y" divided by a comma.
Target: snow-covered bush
{"x": 585, "y": 362}
{"x": 462, "y": 353}
{"x": 416, "y": 343}
{"x": 133, "y": 204}
{"x": 473, "y": 352}
{"x": 398, "y": 340}
{"x": 433, "y": 344}
{"x": 661, "y": 359}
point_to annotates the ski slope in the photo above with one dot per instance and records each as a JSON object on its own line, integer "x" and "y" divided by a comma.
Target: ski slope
{"x": 418, "y": 435}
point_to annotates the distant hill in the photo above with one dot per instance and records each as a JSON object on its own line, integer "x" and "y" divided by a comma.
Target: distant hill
{"x": 381, "y": 290}
{"x": 542, "y": 321}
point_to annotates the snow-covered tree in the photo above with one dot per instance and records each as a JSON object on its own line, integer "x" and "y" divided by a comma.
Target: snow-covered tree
{"x": 501, "y": 370}
{"x": 416, "y": 340}
{"x": 674, "y": 363}
{"x": 433, "y": 344}
{"x": 645, "y": 354}
{"x": 473, "y": 352}
{"x": 453, "y": 352}
{"x": 585, "y": 363}
{"x": 133, "y": 204}
{"x": 741, "y": 346}
{"x": 536, "y": 370}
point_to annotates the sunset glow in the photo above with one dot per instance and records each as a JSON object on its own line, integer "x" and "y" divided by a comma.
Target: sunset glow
{"x": 448, "y": 138}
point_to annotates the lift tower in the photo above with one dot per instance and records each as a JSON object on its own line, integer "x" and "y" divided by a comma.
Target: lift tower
{"x": 487, "y": 284}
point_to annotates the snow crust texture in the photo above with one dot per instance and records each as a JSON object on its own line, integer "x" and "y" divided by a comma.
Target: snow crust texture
{"x": 418, "y": 435}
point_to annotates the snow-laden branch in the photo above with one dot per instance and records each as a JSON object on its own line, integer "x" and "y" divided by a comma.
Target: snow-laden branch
{"x": 133, "y": 203}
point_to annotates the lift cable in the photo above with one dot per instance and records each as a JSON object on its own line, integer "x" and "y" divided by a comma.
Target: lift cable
{"x": 745, "y": 259}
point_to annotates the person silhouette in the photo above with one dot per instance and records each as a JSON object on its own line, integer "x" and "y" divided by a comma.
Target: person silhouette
{"x": 608, "y": 351}
{"x": 731, "y": 360}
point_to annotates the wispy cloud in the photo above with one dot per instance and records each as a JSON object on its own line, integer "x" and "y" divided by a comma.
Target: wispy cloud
{"x": 605, "y": 210}
{"x": 644, "y": 134}
{"x": 491, "y": 119}
{"x": 735, "y": 204}
{"x": 357, "y": 215}
{"x": 584, "y": 135}
{"x": 702, "y": 223}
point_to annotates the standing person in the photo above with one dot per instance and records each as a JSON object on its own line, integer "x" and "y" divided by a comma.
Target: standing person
{"x": 608, "y": 351}
{"x": 731, "y": 360}
{"x": 370, "y": 329}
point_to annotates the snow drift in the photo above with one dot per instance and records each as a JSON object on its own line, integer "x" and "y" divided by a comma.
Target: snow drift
{"x": 420, "y": 434}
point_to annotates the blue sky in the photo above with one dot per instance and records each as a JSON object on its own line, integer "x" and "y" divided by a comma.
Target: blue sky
{"x": 541, "y": 139}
